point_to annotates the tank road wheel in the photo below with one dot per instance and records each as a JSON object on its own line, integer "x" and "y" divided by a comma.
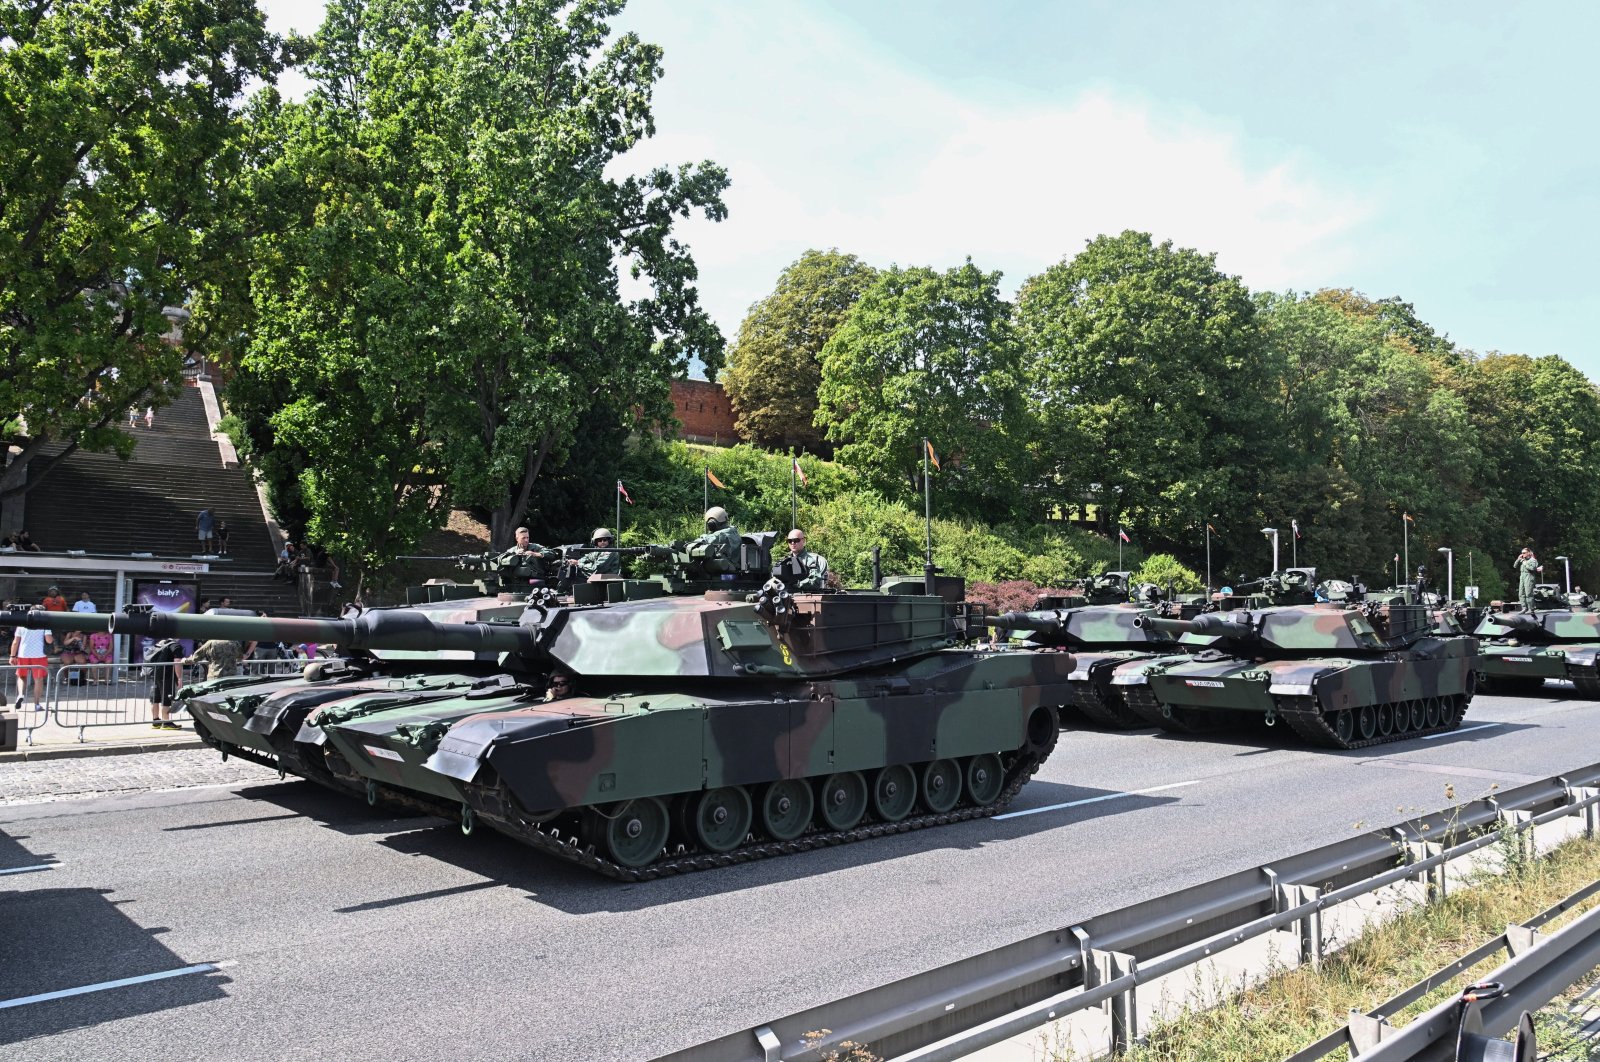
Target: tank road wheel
{"x": 469, "y": 820}
{"x": 719, "y": 819}
{"x": 985, "y": 778}
{"x": 634, "y": 834}
{"x": 894, "y": 792}
{"x": 1385, "y": 720}
{"x": 941, "y": 786}
{"x": 1433, "y": 712}
{"x": 1419, "y": 713}
{"x": 786, "y": 809}
{"x": 1344, "y": 725}
{"x": 372, "y": 793}
{"x": 842, "y": 800}
{"x": 1367, "y": 722}
{"x": 1402, "y": 717}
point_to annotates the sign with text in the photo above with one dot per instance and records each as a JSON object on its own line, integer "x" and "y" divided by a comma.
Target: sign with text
{"x": 164, "y": 595}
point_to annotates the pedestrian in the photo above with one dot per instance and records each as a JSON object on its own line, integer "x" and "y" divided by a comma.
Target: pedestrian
{"x": 26, "y": 544}
{"x": 203, "y": 607}
{"x": 813, "y": 567}
{"x": 165, "y": 677}
{"x": 30, "y": 655}
{"x": 150, "y": 422}
{"x": 204, "y": 523}
{"x": 133, "y": 416}
{"x": 74, "y": 654}
{"x": 288, "y": 560}
{"x": 84, "y": 604}
{"x": 53, "y": 601}
{"x": 220, "y": 656}
{"x": 1525, "y": 566}
{"x": 221, "y": 532}
{"x": 100, "y": 646}
{"x": 227, "y": 602}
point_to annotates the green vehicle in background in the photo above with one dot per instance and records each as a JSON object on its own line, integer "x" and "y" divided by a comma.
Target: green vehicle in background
{"x": 1099, "y": 629}
{"x": 1522, "y": 649}
{"x": 1341, "y": 674}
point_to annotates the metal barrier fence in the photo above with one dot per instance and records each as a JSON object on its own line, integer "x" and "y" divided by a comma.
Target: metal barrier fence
{"x": 92, "y": 695}
{"x": 954, "y": 1010}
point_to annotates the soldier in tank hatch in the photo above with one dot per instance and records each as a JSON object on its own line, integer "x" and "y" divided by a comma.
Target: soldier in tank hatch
{"x": 600, "y": 563}
{"x": 718, "y": 548}
{"x": 813, "y": 573}
{"x": 1526, "y": 566}
{"x": 525, "y": 558}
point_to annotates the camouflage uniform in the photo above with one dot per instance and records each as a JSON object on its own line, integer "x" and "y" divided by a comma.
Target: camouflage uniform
{"x": 717, "y": 550}
{"x": 529, "y": 563}
{"x": 816, "y": 570}
{"x": 600, "y": 564}
{"x": 220, "y": 657}
{"x": 1525, "y": 568}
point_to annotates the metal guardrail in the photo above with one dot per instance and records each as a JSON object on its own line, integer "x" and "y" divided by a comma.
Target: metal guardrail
{"x": 975, "y": 1002}
{"x": 1367, "y": 1030}
{"x": 93, "y": 695}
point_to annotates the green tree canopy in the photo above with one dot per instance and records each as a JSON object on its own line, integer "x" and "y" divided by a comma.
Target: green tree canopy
{"x": 1147, "y": 373}
{"x": 932, "y": 355}
{"x": 120, "y": 133}
{"x": 441, "y": 275}
{"x": 775, "y": 365}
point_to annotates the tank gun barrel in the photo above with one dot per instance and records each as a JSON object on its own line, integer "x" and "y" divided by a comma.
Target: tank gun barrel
{"x": 398, "y": 629}
{"x": 1519, "y": 621}
{"x": 1046, "y": 622}
{"x": 1208, "y": 624}
{"x": 40, "y": 619}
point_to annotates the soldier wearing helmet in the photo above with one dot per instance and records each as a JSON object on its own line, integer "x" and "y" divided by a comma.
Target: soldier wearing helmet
{"x": 600, "y": 563}
{"x": 718, "y": 548}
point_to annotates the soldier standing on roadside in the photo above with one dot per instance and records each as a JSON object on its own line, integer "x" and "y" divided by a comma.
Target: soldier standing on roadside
{"x": 1526, "y": 565}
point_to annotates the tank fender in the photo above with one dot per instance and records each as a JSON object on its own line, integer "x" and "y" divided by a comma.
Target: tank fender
{"x": 464, "y": 750}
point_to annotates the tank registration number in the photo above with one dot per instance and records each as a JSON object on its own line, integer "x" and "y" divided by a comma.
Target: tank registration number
{"x": 1208, "y": 683}
{"x": 382, "y": 754}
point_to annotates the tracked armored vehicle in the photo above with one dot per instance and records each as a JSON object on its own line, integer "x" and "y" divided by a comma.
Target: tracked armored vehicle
{"x": 1341, "y": 675}
{"x": 703, "y": 728}
{"x": 1099, "y": 630}
{"x": 1519, "y": 650}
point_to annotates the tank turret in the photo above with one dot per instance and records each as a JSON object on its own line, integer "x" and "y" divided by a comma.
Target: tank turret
{"x": 1522, "y": 649}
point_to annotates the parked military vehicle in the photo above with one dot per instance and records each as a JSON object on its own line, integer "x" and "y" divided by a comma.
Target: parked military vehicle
{"x": 1519, "y": 650}
{"x": 702, "y": 728}
{"x": 1099, "y": 630}
{"x": 1341, "y": 675}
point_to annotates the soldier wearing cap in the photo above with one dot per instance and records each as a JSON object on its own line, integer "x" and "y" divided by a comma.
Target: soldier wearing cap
{"x": 600, "y": 563}
{"x": 1526, "y": 565}
{"x": 718, "y": 548}
{"x": 813, "y": 565}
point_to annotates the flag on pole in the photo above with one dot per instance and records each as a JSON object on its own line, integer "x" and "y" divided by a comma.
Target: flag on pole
{"x": 624, "y": 492}
{"x": 931, "y": 455}
{"x": 1123, "y": 535}
{"x": 1407, "y": 517}
{"x": 712, "y": 476}
{"x": 799, "y": 472}
{"x": 1213, "y": 530}
{"x": 1295, "y": 524}
{"x": 1397, "y": 558}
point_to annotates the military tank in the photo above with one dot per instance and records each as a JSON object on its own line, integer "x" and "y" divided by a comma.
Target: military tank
{"x": 1340, "y": 674}
{"x": 1098, "y": 628}
{"x": 704, "y": 727}
{"x": 1519, "y": 650}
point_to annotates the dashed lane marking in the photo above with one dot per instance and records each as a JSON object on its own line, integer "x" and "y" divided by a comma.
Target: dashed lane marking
{"x": 121, "y": 982}
{"x": 1096, "y": 800}
{"x": 29, "y": 870}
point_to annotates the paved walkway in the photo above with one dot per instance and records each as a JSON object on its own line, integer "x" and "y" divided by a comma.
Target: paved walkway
{"x": 80, "y": 777}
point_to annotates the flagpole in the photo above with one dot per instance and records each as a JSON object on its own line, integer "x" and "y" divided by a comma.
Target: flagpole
{"x": 619, "y": 510}
{"x": 927, "y": 518}
{"x": 1405, "y": 527}
{"x": 705, "y": 485}
{"x": 1208, "y": 562}
{"x": 794, "y": 504}
{"x": 1119, "y": 549}
{"x": 1294, "y": 543}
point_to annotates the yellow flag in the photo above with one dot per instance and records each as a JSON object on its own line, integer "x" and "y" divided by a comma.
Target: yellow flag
{"x": 712, "y": 476}
{"x": 1407, "y": 518}
{"x": 931, "y": 455}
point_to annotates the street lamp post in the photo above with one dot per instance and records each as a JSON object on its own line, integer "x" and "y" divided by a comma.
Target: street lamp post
{"x": 1272, "y": 533}
{"x": 1567, "y": 564}
{"x": 1450, "y": 573}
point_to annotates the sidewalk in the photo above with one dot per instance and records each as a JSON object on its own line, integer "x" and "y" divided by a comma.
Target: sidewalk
{"x": 51, "y": 741}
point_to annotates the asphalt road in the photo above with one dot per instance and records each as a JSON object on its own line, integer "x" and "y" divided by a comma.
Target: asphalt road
{"x": 339, "y": 932}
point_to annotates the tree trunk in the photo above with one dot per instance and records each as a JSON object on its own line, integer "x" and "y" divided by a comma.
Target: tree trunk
{"x": 505, "y": 519}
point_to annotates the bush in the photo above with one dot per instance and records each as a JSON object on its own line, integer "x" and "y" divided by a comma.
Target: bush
{"x": 1164, "y": 570}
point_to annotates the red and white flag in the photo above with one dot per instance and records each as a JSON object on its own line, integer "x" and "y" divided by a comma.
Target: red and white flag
{"x": 1296, "y": 525}
{"x": 1123, "y": 535}
{"x": 799, "y": 472}
{"x": 624, "y": 492}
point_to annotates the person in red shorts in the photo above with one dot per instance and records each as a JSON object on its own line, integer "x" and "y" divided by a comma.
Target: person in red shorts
{"x": 30, "y": 652}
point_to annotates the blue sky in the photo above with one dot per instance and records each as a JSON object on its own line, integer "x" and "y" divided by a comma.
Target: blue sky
{"x": 1444, "y": 153}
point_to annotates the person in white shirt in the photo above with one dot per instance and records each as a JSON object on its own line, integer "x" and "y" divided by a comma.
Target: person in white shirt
{"x": 30, "y": 655}
{"x": 83, "y": 604}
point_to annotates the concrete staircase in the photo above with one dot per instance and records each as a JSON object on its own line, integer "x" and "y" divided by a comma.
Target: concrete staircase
{"x": 147, "y": 504}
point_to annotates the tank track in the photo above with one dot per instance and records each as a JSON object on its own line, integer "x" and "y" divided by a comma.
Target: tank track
{"x": 1586, "y": 681}
{"x": 1106, "y": 710}
{"x": 569, "y": 848}
{"x": 1143, "y": 704}
{"x": 1306, "y": 719}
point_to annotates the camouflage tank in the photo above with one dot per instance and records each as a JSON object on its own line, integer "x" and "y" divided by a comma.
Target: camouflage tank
{"x": 1340, "y": 674}
{"x": 1099, "y": 630}
{"x": 1522, "y": 649}
{"x": 705, "y": 727}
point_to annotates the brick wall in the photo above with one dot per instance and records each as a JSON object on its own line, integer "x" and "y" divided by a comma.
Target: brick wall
{"x": 702, "y": 410}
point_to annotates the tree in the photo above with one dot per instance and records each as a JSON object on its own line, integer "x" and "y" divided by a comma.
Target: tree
{"x": 930, "y": 355}
{"x": 120, "y": 136}
{"x": 775, "y": 365}
{"x": 447, "y": 256}
{"x": 1147, "y": 374}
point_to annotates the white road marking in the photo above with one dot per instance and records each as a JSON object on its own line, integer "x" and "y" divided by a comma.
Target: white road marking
{"x": 1096, "y": 800}
{"x": 22, "y": 1001}
{"x": 1464, "y": 730}
{"x": 25, "y": 870}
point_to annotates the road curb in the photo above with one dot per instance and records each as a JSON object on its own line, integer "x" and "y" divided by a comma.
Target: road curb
{"x": 117, "y": 748}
